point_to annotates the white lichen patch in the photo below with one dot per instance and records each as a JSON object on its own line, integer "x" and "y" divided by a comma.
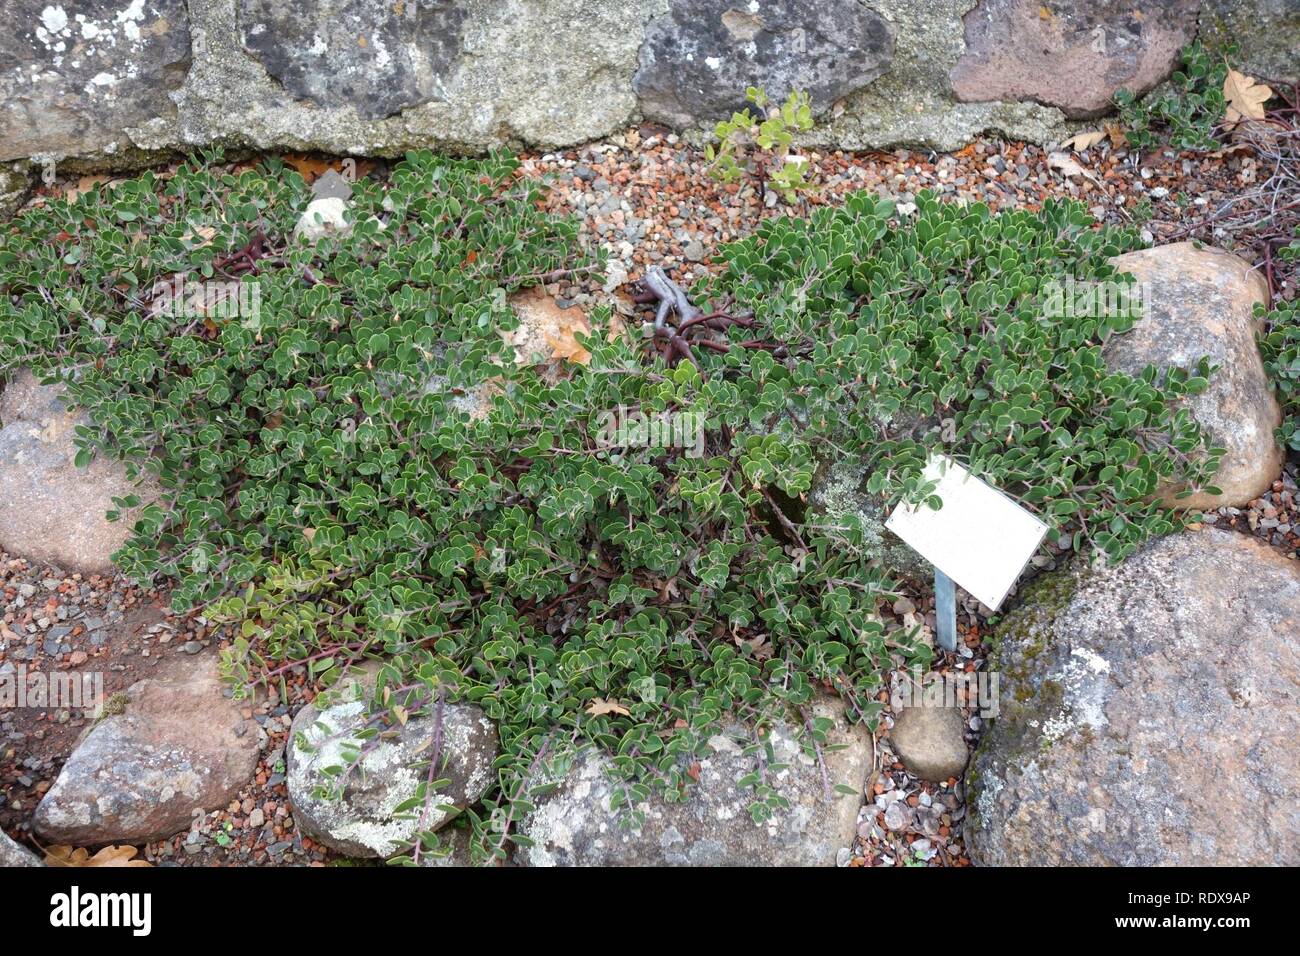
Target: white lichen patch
{"x": 1082, "y": 681}
{"x": 364, "y": 819}
{"x": 54, "y": 19}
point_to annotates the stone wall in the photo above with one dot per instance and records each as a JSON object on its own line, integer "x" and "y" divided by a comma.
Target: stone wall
{"x": 119, "y": 83}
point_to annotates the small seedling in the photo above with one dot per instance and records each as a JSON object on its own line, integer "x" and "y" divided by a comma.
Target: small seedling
{"x": 761, "y": 145}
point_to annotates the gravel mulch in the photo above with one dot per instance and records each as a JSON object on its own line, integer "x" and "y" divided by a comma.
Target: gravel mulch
{"x": 646, "y": 196}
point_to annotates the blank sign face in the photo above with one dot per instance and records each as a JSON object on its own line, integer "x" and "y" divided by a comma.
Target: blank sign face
{"x": 980, "y": 538}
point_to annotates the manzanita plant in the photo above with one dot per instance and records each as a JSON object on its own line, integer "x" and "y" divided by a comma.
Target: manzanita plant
{"x": 1280, "y": 346}
{"x": 328, "y": 497}
{"x": 1191, "y": 107}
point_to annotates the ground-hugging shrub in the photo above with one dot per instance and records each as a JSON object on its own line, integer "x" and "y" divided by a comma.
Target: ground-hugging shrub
{"x": 1280, "y": 345}
{"x": 1191, "y": 107}
{"x": 326, "y": 490}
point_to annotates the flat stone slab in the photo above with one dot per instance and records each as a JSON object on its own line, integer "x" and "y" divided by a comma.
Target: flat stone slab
{"x": 378, "y": 57}
{"x": 75, "y": 76}
{"x": 1071, "y": 54}
{"x": 574, "y": 826}
{"x": 699, "y": 58}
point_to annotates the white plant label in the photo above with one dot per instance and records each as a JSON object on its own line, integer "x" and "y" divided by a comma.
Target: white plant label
{"x": 980, "y": 538}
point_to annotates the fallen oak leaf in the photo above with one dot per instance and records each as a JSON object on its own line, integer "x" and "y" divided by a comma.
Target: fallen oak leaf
{"x": 761, "y": 649}
{"x": 66, "y": 856}
{"x": 117, "y": 856}
{"x": 1246, "y": 97}
{"x": 109, "y": 856}
{"x": 196, "y": 237}
{"x": 310, "y": 168}
{"x": 1066, "y": 165}
{"x": 86, "y": 184}
{"x": 599, "y": 706}
{"x": 1081, "y": 141}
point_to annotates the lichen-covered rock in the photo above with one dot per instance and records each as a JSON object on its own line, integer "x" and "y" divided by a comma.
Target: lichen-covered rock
{"x": 1266, "y": 32}
{"x": 379, "y": 57}
{"x": 326, "y": 216}
{"x": 1200, "y": 302}
{"x": 700, "y": 57}
{"x": 464, "y": 75}
{"x": 837, "y": 492}
{"x": 11, "y": 854}
{"x": 347, "y": 77}
{"x": 50, "y": 510}
{"x": 931, "y": 741}
{"x": 1149, "y": 713}
{"x": 76, "y": 76}
{"x": 573, "y": 826}
{"x": 364, "y": 820}
{"x": 14, "y": 187}
{"x": 133, "y": 81}
{"x": 1071, "y": 54}
{"x": 178, "y": 745}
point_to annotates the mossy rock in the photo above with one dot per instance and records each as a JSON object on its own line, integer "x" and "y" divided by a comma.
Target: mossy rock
{"x": 1124, "y": 691}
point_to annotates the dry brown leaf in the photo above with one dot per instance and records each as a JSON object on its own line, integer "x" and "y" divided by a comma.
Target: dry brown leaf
{"x": 1064, "y": 163}
{"x": 1246, "y": 97}
{"x": 109, "y": 856}
{"x": 599, "y": 706}
{"x": 197, "y": 237}
{"x": 617, "y": 328}
{"x": 759, "y": 645}
{"x": 83, "y": 185}
{"x": 1081, "y": 141}
{"x": 312, "y": 168}
{"x": 1116, "y": 133}
{"x": 309, "y": 168}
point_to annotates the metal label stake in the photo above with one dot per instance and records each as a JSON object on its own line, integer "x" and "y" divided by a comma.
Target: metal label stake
{"x": 945, "y": 610}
